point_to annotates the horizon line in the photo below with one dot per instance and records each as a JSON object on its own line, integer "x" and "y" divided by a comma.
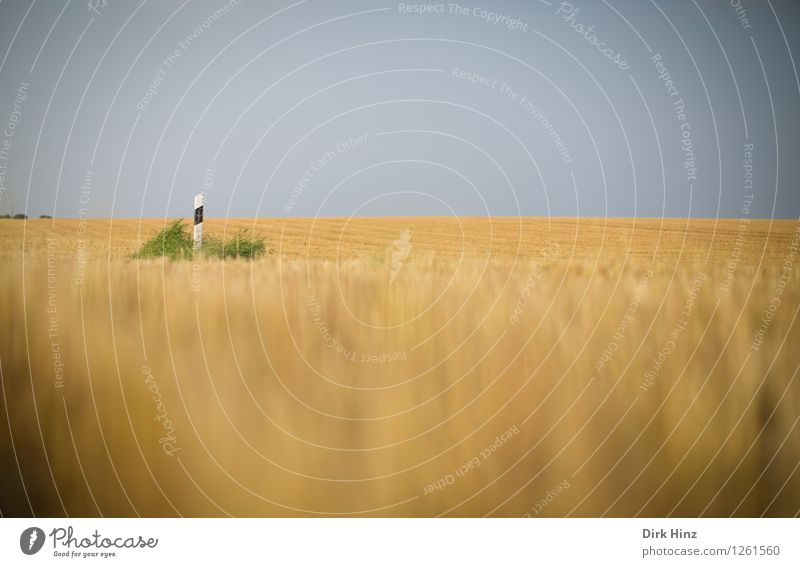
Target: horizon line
{"x": 340, "y": 217}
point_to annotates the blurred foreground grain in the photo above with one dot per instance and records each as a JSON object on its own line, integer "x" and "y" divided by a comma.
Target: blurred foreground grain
{"x": 565, "y": 367}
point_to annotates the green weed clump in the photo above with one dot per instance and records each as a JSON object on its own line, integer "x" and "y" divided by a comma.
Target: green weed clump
{"x": 175, "y": 242}
{"x": 243, "y": 244}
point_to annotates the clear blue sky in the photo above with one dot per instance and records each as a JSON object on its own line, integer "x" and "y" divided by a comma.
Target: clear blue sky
{"x": 618, "y": 108}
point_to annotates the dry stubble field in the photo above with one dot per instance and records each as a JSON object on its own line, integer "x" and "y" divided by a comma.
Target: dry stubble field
{"x": 501, "y": 366}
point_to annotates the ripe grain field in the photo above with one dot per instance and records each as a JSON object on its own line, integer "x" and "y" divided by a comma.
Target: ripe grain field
{"x": 473, "y": 367}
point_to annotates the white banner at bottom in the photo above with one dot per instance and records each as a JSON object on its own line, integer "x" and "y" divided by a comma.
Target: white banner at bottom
{"x": 354, "y": 542}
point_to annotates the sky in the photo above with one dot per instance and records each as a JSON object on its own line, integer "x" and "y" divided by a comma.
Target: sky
{"x": 619, "y": 108}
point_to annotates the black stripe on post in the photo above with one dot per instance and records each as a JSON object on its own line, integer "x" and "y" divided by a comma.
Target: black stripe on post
{"x": 197, "y": 236}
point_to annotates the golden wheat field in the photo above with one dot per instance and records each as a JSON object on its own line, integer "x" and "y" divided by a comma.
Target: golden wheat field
{"x": 403, "y": 367}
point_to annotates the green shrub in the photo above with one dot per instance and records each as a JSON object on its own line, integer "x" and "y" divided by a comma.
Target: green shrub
{"x": 243, "y": 244}
{"x": 175, "y": 242}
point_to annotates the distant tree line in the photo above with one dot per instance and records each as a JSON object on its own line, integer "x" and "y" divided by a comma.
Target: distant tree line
{"x": 21, "y": 216}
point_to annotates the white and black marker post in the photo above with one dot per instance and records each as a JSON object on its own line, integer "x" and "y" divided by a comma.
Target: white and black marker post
{"x": 199, "y": 201}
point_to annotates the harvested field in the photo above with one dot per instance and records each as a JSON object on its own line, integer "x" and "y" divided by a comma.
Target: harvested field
{"x": 472, "y": 367}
